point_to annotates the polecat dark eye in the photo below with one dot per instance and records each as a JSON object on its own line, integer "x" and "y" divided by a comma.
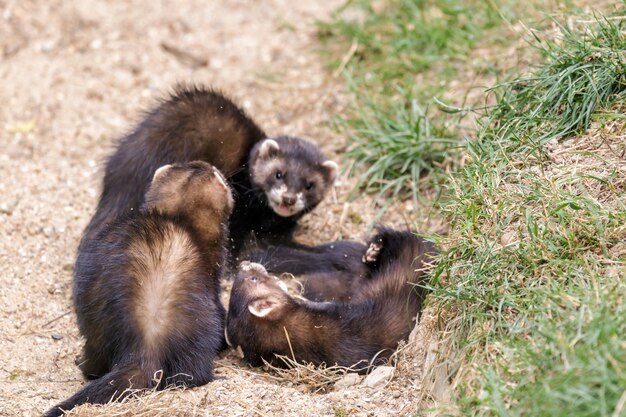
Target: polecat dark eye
{"x": 253, "y": 278}
{"x": 310, "y": 185}
{"x": 279, "y": 175}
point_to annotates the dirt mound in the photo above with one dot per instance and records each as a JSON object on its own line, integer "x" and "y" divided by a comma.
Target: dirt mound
{"x": 76, "y": 75}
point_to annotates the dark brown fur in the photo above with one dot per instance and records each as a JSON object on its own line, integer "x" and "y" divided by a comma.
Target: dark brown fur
{"x": 328, "y": 272}
{"x": 146, "y": 290}
{"x": 202, "y": 124}
{"x": 266, "y": 321}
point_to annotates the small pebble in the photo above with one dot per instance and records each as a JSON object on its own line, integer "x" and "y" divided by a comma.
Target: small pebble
{"x": 4, "y": 208}
{"x": 348, "y": 380}
{"x": 47, "y": 231}
{"x": 379, "y": 376}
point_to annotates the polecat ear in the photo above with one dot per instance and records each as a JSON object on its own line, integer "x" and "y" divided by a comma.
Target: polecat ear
{"x": 269, "y": 147}
{"x": 265, "y": 308}
{"x": 332, "y": 168}
{"x": 160, "y": 172}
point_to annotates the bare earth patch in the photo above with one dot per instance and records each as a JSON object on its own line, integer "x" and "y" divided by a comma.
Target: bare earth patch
{"x": 76, "y": 75}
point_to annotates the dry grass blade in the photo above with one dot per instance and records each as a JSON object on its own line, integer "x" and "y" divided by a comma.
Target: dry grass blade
{"x": 319, "y": 379}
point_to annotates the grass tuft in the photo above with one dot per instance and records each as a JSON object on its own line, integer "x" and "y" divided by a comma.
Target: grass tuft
{"x": 383, "y": 49}
{"x": 397, "y": 39}
{"x": 401, "y": 152}
{"x": 536, "y": 266}
{"x": 587, "y": 71}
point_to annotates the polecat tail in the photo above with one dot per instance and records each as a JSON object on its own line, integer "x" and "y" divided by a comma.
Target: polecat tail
{"x": 113, "y": 386}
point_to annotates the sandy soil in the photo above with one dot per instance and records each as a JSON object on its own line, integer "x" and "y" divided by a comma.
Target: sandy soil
{"x": 75, "y": 76}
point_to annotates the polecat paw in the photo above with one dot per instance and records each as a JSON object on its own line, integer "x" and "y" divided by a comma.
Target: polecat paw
{"x": 372, "y": 252}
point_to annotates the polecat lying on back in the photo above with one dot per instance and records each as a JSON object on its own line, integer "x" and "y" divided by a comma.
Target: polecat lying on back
{"x": 329, "y": 272}
{"x": 275, "y": 181}
{"x": 266, "y": 321}
{"x": 146, "y": 290}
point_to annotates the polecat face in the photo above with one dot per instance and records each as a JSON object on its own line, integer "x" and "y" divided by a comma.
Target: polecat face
{"x": 293, "y": 173}
{"x": 262, "y": 294}
{"x": 189, "y": 188}
{"x": 259, "y": 304}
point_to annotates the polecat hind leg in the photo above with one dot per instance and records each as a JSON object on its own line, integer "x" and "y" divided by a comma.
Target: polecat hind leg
{"x": 386, "y": 246}
{"x": 372, "y": 252}
{"x": 91, "y": 362}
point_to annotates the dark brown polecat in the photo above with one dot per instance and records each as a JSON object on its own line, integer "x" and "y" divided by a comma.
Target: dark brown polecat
{"x": 329, "y": 272}
{"x": 275, "y": 180}
{"x": 146, "y": 289}
{"x": 264, "y": 320}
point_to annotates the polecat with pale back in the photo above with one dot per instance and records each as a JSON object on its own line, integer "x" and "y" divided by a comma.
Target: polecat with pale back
{"x": 146, "y": 289}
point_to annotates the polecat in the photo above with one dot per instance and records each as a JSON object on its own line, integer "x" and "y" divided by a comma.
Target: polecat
{"x": 275, "y": 180}
{"x": 266, "y": 321}
{"x": 146, "y": 290}
{"x": 328, "y": 272}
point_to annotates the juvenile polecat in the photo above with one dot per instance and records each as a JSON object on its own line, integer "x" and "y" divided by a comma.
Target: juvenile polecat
{"x": 275, "y": 180}
{"x": 328, "y": 272}
{"x": 266, "y": 321}
{"x": 146, "y": 290}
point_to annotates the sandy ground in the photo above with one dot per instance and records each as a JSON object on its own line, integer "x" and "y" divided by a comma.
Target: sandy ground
{"x": 75, "y": 76}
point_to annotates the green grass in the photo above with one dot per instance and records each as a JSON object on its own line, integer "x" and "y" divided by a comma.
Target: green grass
{"x": 340, "y": 412}
{"x": 397, "y": 39}
{"x": 396, "y": 145}
{"x": 532, "y": 283}
{"x": 533, "y": 266}
{"x": 586, "y": 71}
{"x": 399, "y": 152}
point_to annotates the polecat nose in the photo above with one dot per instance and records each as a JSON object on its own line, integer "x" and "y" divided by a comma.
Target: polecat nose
{"x": 289, "y": 199}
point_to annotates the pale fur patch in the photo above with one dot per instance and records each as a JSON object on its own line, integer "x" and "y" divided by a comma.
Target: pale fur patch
{"x": 276, "y": 193}
{"x": 226, "y": 337}
{"x": 267, "y": 146}
{"x": 332, "y": 167}
{"x": 247, "y": 266}
{"x": 164, "y": 262}
{"x": 220, "y": 178}
{"x": 263, "y": 308}
{"x": 262, "y": 169}
{"x": 299, "y": 206}
{"x": 283, "y": 286}
{"x": 275, "y": 199}
{"x": 161, "y": 171}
